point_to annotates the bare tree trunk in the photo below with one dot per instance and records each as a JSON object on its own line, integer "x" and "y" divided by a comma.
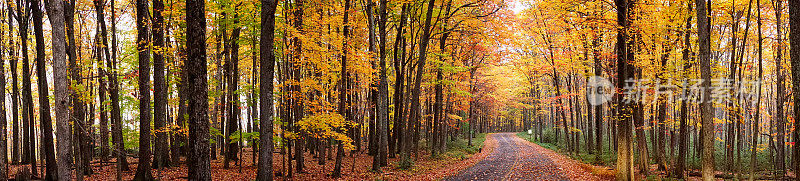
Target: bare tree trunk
{"x": 598, "y": 109}
{"x": 794, "y": 40}
{"x": 423, "y": 51}
{"x": 197, "y": 90}
{"x": 44, "y": 103}
{"x": 382, "y": 112}
{"x": 398, "y": 131}
{"x": 116, "y": 116}
{"x": 757, "y": 119}
{"x": 232, "y": 71}
{"x": 267, "y": 62}
{"x": 297, "y": 102}
{"x": 161, "y": 150}
{"x": 55, "y": 10}
{"x": 3, "y": 121}
{"x": 684, "y": 125}
{"x": 143, "y": 170}
{"x": 343, "y": 91}
{"x": 15, "y": 147}
{"x": 29, "y": 151}
{"x": 623, "y": 113}
{"x": 707, "y": 112}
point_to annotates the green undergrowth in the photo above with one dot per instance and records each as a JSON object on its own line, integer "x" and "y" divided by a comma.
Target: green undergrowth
{"x": 606, "y": 159}
{"x": 460, "y": 148}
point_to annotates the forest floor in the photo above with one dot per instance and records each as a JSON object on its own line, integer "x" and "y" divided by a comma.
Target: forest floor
{"x": 516, "y": 159}
{"x": 355, "y": 166}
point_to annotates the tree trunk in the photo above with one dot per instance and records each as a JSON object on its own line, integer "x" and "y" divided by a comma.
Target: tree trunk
{"x": 15, "y": 147}
{"x": 757, "y": 119}
{"x": 794, "y": 53}
{"x": 598, "y": 109}
{"x": 161, "y": 150}
{"x": 232, "y": 69}
{"x": 684, "y": 125}
{"x": 267, "y": 62}
{"x": 56, "y": 13}
{"x": 730, "y": 130}
{"x": 219, "y": 101}
{"x": 78, "y": 135}
{"x": 625, "y": 70}
{"x": 182, "y": 149}
{"x": 143, "y": 170}
{"x": 641, "y": 138}
{"x": 44, "y": 102}
{"x": 343, "y": 92}
{"x": 298, "y": 102}
{"x": 707, "y": 111}
{"x": 398, "y": 133}
{"x": 197, "y": 89}
{"x": 29, "y": 151}
{"x": 116, "y": 112}
{"x": 780, "y": 95}
{"x": 3, "y": 121}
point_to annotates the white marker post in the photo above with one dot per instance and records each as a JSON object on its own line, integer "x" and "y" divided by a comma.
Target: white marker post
{"x": 530, "y": 135}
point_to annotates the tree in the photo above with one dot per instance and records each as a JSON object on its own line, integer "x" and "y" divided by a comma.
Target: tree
{"x": 232, "y": 75}
{"x": 706, "y": 111}
{"x": 143, "y": 171}
{"x": 116, "y": 112}
{"x": 75, "y": 75}
{"x": 780, "y": 124}
{"x": 398, "y": 133}
{"x": 44, "y": 102}
{"x": 23, "y": 15}
{"x": 383, "y": 90}
{"x": 415, "y": 114}
{"x": 598, "y": 109}
{"x": 55, "y": 10}
{"x": 161, "y": 150}
{"x": 757, "y": 119}
{"x": 15, "y": 141}
{"x": 199, "y": 162}
{"x": 623, "y": 112}
{"x": 267, "y": 62}
{"x": 683, "y": 140}
{"x": 297, "y": 101}
{"x": 344, "y": 83}
{"x": 383, "y": 86}
{"x": 3, "y": 121}
{"x": 794, "y": 41}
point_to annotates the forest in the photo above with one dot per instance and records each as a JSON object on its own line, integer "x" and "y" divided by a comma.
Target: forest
{"x": 399, "y": 89}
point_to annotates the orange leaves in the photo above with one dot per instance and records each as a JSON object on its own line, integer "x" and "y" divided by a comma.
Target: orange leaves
{"x": 326, "y": 125}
